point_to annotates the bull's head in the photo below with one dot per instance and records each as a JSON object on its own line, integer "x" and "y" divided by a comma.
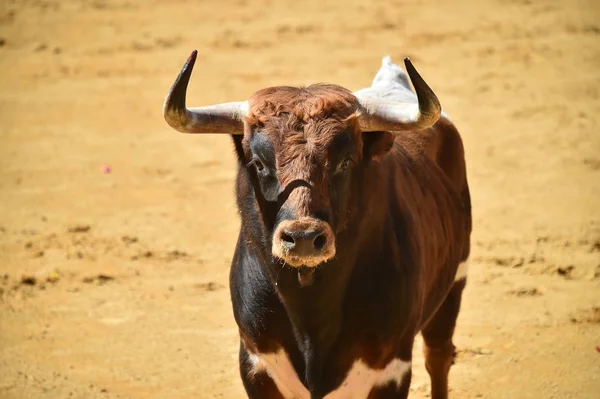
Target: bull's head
{"x": 302, "y": 146}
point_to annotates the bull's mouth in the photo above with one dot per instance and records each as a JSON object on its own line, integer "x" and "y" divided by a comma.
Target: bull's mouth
{"x": 304, "y": 263}
{"x": 306, "y": 275}
{"x": 305, "y": 268}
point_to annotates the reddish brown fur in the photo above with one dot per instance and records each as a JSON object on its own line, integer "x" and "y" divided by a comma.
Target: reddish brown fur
{"x": 407, "y": 238}
{"x": 301, "y": 123}
{"x": 302, "y": 104}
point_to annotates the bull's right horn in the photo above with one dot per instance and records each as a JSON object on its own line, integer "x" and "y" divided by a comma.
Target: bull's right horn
{"x": 218, "y": 118}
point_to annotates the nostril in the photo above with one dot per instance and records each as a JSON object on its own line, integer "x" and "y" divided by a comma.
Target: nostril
{"x": 288, "y": 240}
{"x": 320, "y": 242}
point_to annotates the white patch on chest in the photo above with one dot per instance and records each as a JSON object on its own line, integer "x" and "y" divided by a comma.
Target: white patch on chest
{"x": 463, "y": 270}
{"x": 359, "y": 381}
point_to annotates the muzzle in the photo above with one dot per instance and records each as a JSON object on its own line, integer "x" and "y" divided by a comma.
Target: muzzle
{"x": 304, "y": 242}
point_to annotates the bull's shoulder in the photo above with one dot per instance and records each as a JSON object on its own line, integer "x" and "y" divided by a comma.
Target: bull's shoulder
{"x": 258, "y": 311}
{"x": 435, "y": 184}
{"x": 443, "y": 145}
{"x": 252, "y": 295}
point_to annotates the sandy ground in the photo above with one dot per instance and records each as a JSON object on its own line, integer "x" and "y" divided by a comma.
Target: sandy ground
{"x": 114, "y": 285}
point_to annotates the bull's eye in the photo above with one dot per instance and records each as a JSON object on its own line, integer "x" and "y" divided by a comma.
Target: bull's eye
{"x": 344, "y": 165}
{"x": 258, "y": 165}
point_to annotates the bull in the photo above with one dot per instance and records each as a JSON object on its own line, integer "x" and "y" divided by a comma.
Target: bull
{"x": 355, "y": 233}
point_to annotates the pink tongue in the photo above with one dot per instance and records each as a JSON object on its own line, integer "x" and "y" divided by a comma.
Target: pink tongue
{"x": 306, "y": 277}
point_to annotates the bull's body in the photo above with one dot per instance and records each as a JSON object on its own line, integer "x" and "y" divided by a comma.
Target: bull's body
{"x": 346, "y": 328}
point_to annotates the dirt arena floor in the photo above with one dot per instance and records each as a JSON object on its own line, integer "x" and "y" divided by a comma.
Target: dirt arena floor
{"x": 116, "y": 232}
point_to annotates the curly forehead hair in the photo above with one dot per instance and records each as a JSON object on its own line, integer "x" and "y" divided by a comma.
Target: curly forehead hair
{"x": 303, "y": 104}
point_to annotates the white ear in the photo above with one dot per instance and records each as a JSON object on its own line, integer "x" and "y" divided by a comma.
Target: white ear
{"x": 389, "y": 109}
{"x": 390, "y": 83}
{"x": 390, "y": 75}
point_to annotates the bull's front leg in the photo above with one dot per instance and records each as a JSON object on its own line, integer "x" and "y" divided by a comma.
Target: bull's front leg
{"x": 393, "y": 390}
{"x": 257, "y": 383}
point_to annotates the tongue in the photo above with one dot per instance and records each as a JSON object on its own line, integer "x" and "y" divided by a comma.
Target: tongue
{"x": 306, "y": 277}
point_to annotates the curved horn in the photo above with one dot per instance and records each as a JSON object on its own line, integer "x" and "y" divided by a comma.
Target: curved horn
{"x": 378, "y": 114}
{"x": 219, "y": 118}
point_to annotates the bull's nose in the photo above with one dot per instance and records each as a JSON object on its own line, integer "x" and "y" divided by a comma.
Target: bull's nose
{"x": 304, "y": 242}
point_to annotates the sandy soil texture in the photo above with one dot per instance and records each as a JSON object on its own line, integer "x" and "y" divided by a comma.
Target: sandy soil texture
{"x": 116, "y": 233}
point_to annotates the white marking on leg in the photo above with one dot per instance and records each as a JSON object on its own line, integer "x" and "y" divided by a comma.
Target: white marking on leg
{"x": 278, "y": 366}
{"x": 361, "y": 379}
{"x": 257, "y": 366}
{"x": 462, "y": 271}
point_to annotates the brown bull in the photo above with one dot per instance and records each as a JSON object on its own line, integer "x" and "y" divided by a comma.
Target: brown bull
{"x": 355, "y": 216}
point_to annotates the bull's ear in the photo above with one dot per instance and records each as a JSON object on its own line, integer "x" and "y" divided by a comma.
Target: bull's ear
{"x": 376, "y": 144}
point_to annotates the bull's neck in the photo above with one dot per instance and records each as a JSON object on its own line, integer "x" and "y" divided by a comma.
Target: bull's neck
{"x": 316, "y": 306}
{"x": 316, "y": 310}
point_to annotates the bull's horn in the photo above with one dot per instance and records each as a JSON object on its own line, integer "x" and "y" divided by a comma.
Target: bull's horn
{"x": 381, "y": 115}
{"x": 219, "y": 118}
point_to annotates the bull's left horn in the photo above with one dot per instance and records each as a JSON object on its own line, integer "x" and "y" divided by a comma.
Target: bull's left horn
{"x": 381, "y": 115}
{"x": 218, "y": 118}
